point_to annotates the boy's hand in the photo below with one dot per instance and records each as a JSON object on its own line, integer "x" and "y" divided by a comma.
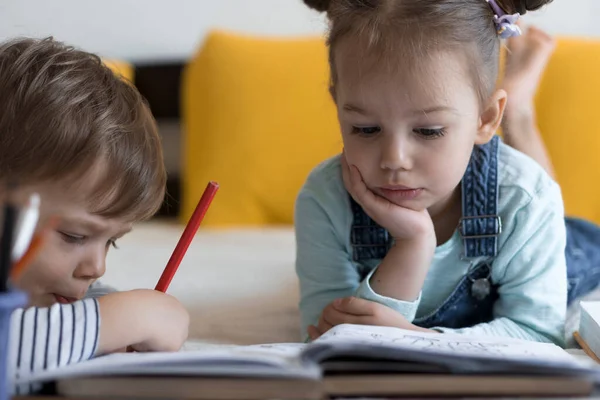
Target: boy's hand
{"x": 168, "y": 325}
{"x": 402, "y": 223}
{"x": 353, "y": 310}
{"x": 143, "y": 320}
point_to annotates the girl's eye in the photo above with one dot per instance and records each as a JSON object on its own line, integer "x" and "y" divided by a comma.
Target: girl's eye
{"x": 366, "y": 130}
{"x": 430, "y": 133}
{"x": 73, "y": 239}
{"x": 113, "y": 243}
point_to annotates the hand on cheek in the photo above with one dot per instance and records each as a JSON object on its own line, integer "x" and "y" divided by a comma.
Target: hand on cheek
{"x": 401, "y": 222}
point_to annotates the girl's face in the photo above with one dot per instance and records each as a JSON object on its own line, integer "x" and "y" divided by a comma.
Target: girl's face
{"x": 411, "y": 130}
{"x": 74, "y": 253}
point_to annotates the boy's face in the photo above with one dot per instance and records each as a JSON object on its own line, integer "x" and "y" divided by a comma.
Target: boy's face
{"x": 74, "y": 253}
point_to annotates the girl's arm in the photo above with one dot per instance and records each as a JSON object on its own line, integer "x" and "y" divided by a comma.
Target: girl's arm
{"x": 324, "y": 263}
{"x": 324, "y": 267}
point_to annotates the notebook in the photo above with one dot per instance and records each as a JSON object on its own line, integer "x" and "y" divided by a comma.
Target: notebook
{"x": 348, "y": 360}
{"x": 589, "y": 328}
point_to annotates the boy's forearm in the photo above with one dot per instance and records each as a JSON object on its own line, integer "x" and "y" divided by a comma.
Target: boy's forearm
{"x": 123, "y": 321}
{"x": 402, "y": 272}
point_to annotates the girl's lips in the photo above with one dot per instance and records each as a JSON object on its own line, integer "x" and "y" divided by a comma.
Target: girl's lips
{"x": 396, "y": 187}
{"x": 397, "y": 194}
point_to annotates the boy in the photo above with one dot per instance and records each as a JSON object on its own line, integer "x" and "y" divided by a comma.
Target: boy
{"x": 86, "y": 142}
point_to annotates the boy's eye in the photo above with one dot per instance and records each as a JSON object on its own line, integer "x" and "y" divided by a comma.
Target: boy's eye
{"x": 366, "y": 130}
{"x": 113, "y": 243}
{"x": 430, "y": 133}
{"x": 70, "y": 238}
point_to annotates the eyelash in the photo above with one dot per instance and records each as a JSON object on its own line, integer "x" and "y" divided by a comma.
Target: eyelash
{"x": 426, "y": 133}
{"x": 430, "y": 134}
{"x": 360, "y": 130}
{"x": 72, "y": 239}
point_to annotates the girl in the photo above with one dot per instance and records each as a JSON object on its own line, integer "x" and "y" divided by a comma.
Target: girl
{"x": 86, "y": 142}
{"x": 427, "y": 221}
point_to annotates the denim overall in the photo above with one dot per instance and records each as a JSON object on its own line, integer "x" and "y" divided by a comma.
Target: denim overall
{"x": 472, "y": 301}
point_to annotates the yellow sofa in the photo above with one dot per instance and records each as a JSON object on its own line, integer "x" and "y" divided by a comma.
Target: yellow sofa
{"x": 122, "y": 68}
{"x": 567, "y": 103}
{"x": 258, "y": 117}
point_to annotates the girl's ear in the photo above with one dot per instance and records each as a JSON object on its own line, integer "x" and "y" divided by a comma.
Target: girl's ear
{"x": 491, "y": 117}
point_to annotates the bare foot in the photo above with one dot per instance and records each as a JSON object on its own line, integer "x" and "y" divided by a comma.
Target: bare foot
{"x": 526, "y": 60}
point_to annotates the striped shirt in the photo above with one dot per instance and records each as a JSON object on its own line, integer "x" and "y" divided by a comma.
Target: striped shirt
{"x": 43, "y": 338}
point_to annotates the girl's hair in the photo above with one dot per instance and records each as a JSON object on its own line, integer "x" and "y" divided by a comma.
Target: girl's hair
{"x": 412, "y": 30}
{"x": 64, "y": 114}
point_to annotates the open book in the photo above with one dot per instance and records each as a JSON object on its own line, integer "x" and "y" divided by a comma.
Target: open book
{"x": 345, "y": 353}
{"x": 589, "y": 326}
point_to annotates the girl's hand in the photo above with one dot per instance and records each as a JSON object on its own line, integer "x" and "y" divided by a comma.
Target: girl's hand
{"x": 403, "y": 270}
{"x": 353, "y": 310}
{"x": 402, "y": 223}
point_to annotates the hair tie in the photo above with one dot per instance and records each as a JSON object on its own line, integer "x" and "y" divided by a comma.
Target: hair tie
{"x": 506, "y": 24}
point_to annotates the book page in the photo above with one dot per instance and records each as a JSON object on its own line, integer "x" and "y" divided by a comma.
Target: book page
{"x": 592, "y": 308}
{"x": 589, "y": 324}
{"x": 451, "y": 344}
{"x": 195, "y": 359}
{"x": 284, "y": 349}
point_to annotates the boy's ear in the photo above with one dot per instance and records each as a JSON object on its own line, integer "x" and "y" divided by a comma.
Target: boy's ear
{"x": 491, "y": 117}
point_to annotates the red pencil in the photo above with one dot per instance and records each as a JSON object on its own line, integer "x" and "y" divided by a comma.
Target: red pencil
{"x": 187, "y": 236}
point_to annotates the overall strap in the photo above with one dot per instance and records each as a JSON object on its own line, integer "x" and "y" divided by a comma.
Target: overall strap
{"x": 480, "y": 224}
{"x": 369, "y": 240}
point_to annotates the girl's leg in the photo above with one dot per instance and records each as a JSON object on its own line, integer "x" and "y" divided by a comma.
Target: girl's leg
{"x": 526, "y": 60}
{"x": 583, "y": 257}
